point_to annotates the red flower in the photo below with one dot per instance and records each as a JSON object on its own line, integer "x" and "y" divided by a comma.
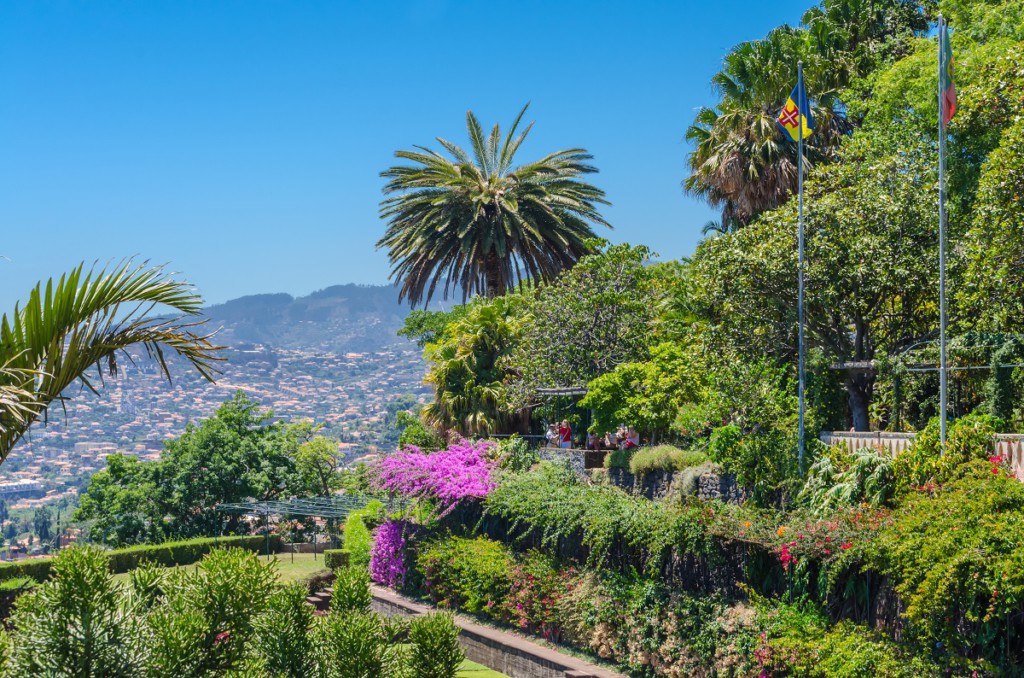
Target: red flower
{"x": 847, "y": 545}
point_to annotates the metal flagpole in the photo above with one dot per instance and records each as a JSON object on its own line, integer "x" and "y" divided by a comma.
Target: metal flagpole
{"x": 800, "y": 250}
{"x": 943, "y": 368}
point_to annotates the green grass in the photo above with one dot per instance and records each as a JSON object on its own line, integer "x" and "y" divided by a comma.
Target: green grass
{"x": 473, "y": 670}
{"x": 288, "y": 571}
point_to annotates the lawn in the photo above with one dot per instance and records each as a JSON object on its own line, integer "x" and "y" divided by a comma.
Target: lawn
{"x": 288, "y": 570}
{"x": 473, "y": 670}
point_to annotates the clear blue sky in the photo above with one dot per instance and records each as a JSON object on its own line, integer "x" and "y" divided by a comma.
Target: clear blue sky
{"x": 241, "y": 141}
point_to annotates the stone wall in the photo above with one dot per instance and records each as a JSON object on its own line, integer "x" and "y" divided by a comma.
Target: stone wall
{"x": 661, "y": 484}
{"x": 511, "y": 654}
{"x": 577, "y": 459}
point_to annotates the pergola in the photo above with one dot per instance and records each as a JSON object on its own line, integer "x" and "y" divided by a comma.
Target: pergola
{"x": 334, "y": 507}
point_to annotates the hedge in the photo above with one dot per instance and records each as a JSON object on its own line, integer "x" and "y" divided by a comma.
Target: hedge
{"x": 167, "y": 554}
{"x": 335, "y": 558}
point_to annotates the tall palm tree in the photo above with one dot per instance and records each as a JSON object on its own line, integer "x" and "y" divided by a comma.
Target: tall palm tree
{"x": 477, "y": 223}
{"x": 741, "y": 163}
{"x": 90, "y": 318}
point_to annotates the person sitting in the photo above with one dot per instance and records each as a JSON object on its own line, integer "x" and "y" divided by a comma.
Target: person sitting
{"x": 592, "y": 442}
{"x": 632, "y": 438}
{"x": 611, "y": 440}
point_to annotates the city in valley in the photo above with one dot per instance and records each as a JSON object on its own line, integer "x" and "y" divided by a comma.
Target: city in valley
{"x": 136, "y": 411}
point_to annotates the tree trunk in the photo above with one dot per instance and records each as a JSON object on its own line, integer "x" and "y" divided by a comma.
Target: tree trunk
{"x": 494, "y": 285}
{"x": 859, "y": 389}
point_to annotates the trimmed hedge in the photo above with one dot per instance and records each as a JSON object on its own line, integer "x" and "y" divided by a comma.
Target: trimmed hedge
{"x": 167, "y": 554}
{"x": 335, "y": 558}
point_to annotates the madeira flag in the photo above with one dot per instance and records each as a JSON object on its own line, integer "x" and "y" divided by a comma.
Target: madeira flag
{"x": 946, "y": 85}
{"x": 789, "y": 117}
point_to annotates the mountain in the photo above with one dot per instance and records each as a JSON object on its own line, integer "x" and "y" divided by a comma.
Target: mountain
{"x": 341, "y": 318}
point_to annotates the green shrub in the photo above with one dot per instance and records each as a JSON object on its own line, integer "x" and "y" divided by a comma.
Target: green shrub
{"x": 167, "y": 554}
{"x": 206, "y": 617}
{"x": 335, "y": 558}
{"x": 838, "y": 479}
{"x": 470, "y": 574}
{"x": 954, "y": 554}
{"x": 967, "y": 438}
{"x": 37, "y": 569}
{"x": 514, "y": 454}
{"x": 356, "y": 645}
{"x": 358, "y": 541}
{"x": 846, "y": 651}
{"x": 282, "y": 642}
{"x": 664, "y": 458}
{"x": 351, "y": 590}
{"x": 73, "y": 624}
{"x": 435, "y": 647}
{"x": 764, "y": 461}
{"x": 618, "y": 458}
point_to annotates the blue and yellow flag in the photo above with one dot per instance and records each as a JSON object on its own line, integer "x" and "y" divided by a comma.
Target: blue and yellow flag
{"x": 789, "y": 117}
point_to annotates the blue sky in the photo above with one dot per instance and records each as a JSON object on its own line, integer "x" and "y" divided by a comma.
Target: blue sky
{"x": 241, "y": 141}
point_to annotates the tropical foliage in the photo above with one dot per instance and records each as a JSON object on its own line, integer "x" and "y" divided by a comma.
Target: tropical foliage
{"x": 90, "y": 318}
{"x": 478, "y": 223}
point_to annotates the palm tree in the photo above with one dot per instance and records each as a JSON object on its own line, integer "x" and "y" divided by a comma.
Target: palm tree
{"x": 469, "y": 368}
{"x": 90, "y": 318}
{"x": 480, "y": 224}
{"x": 741, "y": 163}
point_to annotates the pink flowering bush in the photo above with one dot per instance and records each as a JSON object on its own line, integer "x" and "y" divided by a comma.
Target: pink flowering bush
{"x": 462, "y": 471}
{"x": 387, "y": 559}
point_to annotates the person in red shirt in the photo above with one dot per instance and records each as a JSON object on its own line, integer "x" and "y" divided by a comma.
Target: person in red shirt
{"x": 565, "y": 435}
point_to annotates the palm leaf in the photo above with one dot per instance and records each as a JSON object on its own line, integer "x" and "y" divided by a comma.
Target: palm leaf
{"x": 89, "y": 318}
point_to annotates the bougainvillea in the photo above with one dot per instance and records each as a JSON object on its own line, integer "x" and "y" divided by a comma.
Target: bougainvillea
{"x": 387, "y": 559}
{"x": 446, "y": 477}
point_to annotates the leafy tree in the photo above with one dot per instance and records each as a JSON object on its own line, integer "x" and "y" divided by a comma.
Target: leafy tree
{"x": 90, "y": 318}
{"x": 316, "y": 463}
{"x": 469, "y": 369}
{"x": 414, "y": 432}
{"x": 234, "y": 455}
{"x": 125, "y": 502}
{"x": 477, "y": 223}
{"x": 591, "y": 319}
{"x": 646, "y": 394}
{"x": 42, "y": 524}
{"x": 871, "y": 242}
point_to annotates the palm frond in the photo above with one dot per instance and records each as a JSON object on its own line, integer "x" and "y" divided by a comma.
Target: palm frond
{"x": 89, "y": 318}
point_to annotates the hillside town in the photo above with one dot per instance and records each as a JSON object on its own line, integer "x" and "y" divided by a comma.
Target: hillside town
{"x": 136, "y": 411}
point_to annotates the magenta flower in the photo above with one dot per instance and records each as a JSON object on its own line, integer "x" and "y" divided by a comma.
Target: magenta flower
{"x": 447, "y": 477}
{"x": 387, "y": 559}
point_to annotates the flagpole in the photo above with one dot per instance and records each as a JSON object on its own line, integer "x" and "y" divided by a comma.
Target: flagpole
{"x": 943, "y": 368}
{"x": 800, "y": 266}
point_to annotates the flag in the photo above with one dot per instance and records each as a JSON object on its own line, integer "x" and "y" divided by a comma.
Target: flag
{"x": 946, "y": 84}
{"x": 789, "y": 117}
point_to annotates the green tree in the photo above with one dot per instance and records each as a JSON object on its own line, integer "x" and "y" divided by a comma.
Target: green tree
{"x": 646, "y": 394}
{"x": 741, "y": 162}
{"x": 469, "y": 369}
{"x": 90, "y": 318}
{"x": 476, "y": 223}
{"x": 236, "y": 454}
{"x": 316, "y": 462}
{"x": 42, "y": 524}
{"x": 871, "y": 276}
{"x": 589, "y": 320}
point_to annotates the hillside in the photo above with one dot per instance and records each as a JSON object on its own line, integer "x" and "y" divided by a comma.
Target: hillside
{"x": 332, "y": 356}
